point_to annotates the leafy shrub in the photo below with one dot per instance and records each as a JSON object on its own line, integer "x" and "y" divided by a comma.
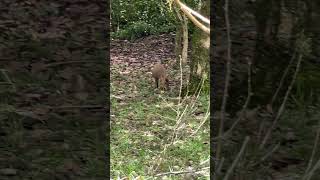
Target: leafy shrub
{"x": 140, "y": 29}
{"x": 134, "y": 31}
{"x": 137, "y": 18}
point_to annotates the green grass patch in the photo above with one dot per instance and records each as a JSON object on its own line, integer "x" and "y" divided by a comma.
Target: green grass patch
{"x": 142, "y": 124}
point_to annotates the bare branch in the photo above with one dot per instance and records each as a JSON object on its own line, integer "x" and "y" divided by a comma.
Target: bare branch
{"x": 282, "y": 78}
{"x": 314, "y": 150}
{"x": 227, "y": 81}
{"x": 236, "y": 160}
{"x": 204, "y": 19}
{"x": 192, "y": 18}
{"x": 281, "y": 109}
{"x": 244, "y": 107}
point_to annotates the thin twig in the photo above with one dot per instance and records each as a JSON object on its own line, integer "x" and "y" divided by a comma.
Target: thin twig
{"x": 178, "y": 120}
{"x": 182, "y": 172}
{"x": 221, "y": 161}
{"x": 311, "y": 172}
{"x": 268, "y": 154}
{"x": 166, "y": 102}
{"x": 172, "y": 139}
{"x": 180, "y": 117}
{"x": 244, "y": 107}
{"x": 204, "y": 120}
{"x": 8, "y": 79}
{"x": 283, "y": 78}
{"x": 173, "y": 173}
{"x": 164, "y": 117}
{"x": 181, "y": 82}
{"x": 176, "y": 127}
{"x": 198, "y": 90}
{"x": 227, "y": 79}
{"x": 205, "y": 161}
{"x": 235, "y": 162}
{"x": 314, "y": 150}
{"x": 281, "y": 109}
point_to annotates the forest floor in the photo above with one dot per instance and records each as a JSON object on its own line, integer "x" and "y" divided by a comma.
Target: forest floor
{"x": 52, "y": 91}
{"x": 48, "y": 126}
{"x": 144, "y": 119}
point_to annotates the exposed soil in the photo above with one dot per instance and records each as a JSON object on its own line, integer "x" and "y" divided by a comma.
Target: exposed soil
{"x": 142, "y": 53}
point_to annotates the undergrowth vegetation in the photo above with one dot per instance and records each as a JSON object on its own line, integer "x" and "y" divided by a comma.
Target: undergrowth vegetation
{"x": 135, "y": 19}
{"x": 157, "y": 134}
{"x": 140, "y": 29}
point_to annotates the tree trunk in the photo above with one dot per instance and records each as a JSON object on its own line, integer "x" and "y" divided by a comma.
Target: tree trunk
{"x": 185, "y": 38}
{"x": 199, "y": 57}
{"x": 178, "y": 42}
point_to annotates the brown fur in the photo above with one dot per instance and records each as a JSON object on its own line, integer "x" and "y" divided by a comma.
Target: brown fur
{"x": 160, "y": 76}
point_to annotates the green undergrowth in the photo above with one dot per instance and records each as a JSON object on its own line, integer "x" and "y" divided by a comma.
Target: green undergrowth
{"x": 142, "y": 122}
{"x": 140, "y": 29}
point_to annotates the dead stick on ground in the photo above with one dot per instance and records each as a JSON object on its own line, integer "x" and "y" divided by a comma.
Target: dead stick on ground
{"x": 181, "y": 172}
